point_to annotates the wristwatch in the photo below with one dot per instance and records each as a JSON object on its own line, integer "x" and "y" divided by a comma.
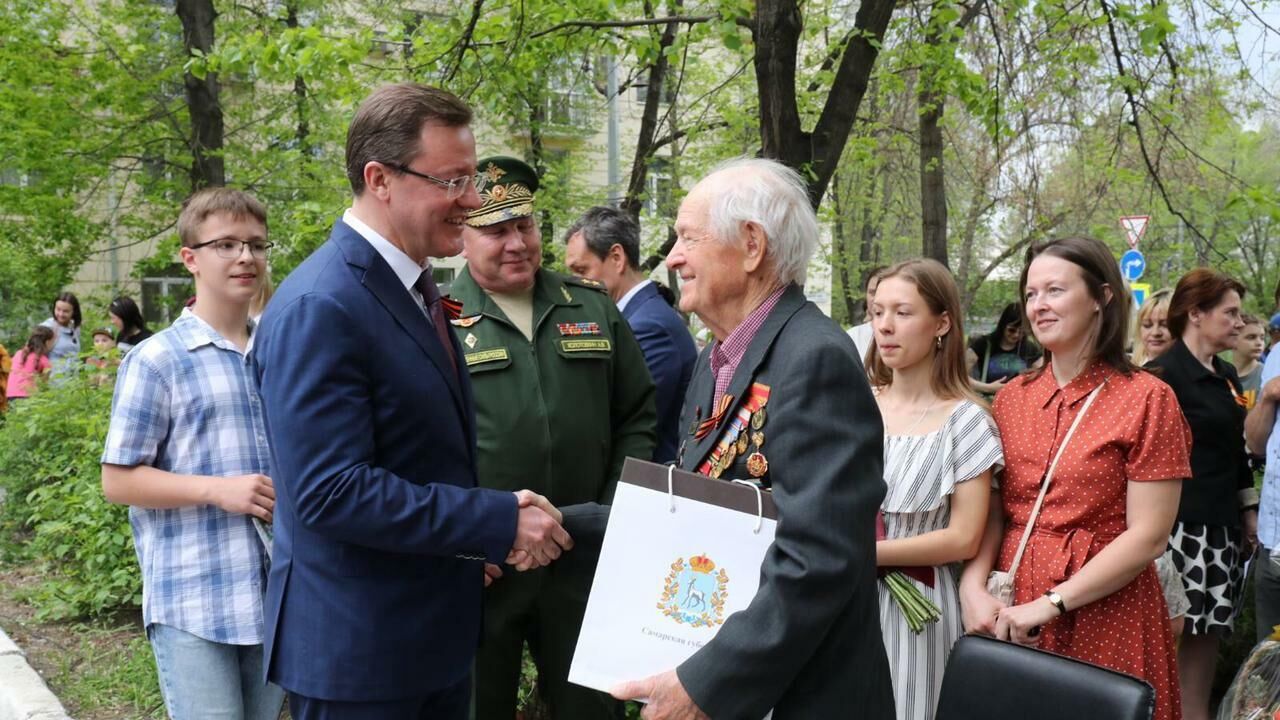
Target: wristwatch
{"x": 1056, "y": 599}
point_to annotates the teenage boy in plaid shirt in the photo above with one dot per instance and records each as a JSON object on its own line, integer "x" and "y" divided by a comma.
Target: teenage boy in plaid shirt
{"x": 187, "y": 451}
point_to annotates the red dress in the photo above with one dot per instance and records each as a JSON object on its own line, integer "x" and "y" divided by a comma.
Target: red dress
{"x": 1134, "y": 432}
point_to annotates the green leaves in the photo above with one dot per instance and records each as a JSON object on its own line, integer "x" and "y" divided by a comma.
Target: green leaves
{"x": 54, "y": 516}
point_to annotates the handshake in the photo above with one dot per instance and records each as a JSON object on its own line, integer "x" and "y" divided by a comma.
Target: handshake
{"x": 540, "y": 537}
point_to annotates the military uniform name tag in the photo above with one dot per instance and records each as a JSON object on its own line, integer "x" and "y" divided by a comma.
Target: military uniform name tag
{"x": 485, "y": 356}
{"x": 681, "y": 554}
{"x": 601, "y": 345}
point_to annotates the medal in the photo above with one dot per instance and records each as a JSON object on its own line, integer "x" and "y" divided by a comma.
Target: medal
{"x": 741, "y": 445}
{"x": 730, "y": 454}
{"x": 716, "y": 469}
{"x": 470, "y": 340}
{"x": 757, "y": 464}
{"x": 757, "y": 419}
{"x": 757, "y": 439}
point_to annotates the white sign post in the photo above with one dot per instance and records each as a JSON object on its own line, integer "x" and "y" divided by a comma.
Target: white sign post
{"x": 1134, "y": 226}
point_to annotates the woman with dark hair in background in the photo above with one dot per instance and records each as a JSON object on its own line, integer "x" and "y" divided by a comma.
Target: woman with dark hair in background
{"x": 1004, "y": 353}
{"x": 1218, "y": 512}
{"x": 65, "y": 324}
{"x": 131, "y": 328}
{"x": 1086, "y": 586}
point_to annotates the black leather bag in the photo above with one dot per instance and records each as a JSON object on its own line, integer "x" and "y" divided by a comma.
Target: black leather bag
{"x": 988, "y": 679}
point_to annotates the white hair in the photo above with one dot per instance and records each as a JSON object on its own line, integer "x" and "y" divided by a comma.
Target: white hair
{"x": 773, "y": 196}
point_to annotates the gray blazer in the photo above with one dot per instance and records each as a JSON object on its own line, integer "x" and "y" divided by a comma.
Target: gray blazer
{"x": 809, "y": 645}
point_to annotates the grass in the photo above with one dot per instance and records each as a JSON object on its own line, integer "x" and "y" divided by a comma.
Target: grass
{"x": 100, "y": 669}
{"x": 103, "y": 676}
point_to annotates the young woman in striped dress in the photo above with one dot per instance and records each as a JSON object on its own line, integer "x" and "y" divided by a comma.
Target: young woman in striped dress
{"x": 941, "y": 448}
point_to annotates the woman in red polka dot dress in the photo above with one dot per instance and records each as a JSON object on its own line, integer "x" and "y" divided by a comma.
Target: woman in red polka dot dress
{"x": 1087, "y": 586}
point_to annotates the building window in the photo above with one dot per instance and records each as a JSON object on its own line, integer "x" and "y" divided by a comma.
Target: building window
{"x": 444, "y": 277}
{"x": 659, "y": 185}
{"x": 668, "y": 91}
{"x": 569, "y": 96}
{"x": 164, "y": 297}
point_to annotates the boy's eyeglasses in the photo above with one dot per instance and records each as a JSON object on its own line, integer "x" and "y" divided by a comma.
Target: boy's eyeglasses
{"x": 229, "y": 249}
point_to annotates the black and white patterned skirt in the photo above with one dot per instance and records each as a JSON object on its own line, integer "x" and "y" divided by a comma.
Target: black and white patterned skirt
{"x": 1210, "y": 559}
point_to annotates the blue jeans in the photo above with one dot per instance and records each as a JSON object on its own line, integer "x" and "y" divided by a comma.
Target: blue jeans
{"x": 206, "y": 680}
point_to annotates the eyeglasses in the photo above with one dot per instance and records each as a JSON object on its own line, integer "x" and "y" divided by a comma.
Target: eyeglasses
{"x": 230, "y": 248}
{"x": 453, "y": 189}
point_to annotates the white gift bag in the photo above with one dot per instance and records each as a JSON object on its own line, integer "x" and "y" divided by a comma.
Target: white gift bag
{"x": 681, "y": 553}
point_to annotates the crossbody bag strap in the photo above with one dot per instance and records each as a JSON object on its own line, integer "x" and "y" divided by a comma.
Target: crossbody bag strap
{"x": 1044, "y": 487}
{"x": 986, "y": 359}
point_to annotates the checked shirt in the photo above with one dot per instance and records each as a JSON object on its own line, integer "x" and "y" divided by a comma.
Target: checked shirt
{"x": 185, "y": 402}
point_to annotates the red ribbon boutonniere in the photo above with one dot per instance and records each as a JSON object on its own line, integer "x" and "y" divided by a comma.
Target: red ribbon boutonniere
{"x": 452, "y": 308}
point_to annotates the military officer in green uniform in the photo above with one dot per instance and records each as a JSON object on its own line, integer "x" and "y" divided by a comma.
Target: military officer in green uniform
{"x": 562, "y": 396}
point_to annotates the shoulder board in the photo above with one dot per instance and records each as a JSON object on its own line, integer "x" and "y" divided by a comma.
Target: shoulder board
{"x": 584, "y": 282}
{"x": 466, "y": 322}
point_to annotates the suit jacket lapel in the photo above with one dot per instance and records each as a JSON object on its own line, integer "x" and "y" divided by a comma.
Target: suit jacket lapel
{"x": 640, "y": 298}
{"x": 380, "y": 280}
{"x": 757, "y": 352}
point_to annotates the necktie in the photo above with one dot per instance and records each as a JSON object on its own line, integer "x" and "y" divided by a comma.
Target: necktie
{"x": 435, "y": 311}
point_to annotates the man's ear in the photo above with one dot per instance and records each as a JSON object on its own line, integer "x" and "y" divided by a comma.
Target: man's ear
{"x": 377, "y": 179}
{"x": 617, "y": 258}
{"x": 755, "y": 246}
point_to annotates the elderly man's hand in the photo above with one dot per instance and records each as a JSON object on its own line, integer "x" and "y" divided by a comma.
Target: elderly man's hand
{"x": 491, "y": 572}
{"x": 664, "y": 697}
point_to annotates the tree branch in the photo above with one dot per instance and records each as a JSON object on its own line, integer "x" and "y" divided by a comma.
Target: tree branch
{"x": 1132, "y": 101}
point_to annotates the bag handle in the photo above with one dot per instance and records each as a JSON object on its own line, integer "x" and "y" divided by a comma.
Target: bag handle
{"x": 1044, "y": 486}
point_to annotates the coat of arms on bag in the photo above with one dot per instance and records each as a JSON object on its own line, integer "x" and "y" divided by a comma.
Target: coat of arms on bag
{"x": 694, "y": 594}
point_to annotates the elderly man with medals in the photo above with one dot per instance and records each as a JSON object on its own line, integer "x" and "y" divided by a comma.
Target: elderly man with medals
{"x": 780, "y": 397}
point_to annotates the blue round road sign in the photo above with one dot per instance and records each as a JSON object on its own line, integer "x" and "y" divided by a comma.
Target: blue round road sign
{"x": 1132, "y": 265}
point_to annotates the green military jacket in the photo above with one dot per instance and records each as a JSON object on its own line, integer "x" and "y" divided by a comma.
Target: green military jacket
{"x": 557, "y": 415}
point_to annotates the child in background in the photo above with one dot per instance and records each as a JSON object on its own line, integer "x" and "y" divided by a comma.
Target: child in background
{"x": 1248, "y": 350}
{"x": 103, "y": 344}
{"x": 31, "y": 361}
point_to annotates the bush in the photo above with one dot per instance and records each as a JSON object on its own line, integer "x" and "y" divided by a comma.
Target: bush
{"x": 54, "y": 515}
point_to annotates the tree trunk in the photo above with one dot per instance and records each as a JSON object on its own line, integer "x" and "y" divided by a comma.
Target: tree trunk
{"x": 302, "y": 129}
{"x": 933, "y": 188}
{"x": 537, "y": 159}
{"x": 843, "y": 308}
{"x": 632, "y": 201}
{"x": 868, "y": 250}
{"x": 776, "y": 34}
{"x": 207, "y": 167}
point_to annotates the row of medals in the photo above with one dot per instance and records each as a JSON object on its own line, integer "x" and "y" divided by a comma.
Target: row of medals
{"x": 757, "y": 463}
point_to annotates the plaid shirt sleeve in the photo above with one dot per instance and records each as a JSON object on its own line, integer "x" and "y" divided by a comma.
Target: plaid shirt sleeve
{"x": 139, "y": 415}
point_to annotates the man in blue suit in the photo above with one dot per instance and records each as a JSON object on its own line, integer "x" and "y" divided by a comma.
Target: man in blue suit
{"x": 604, "y": 245}
{"x": 382, "y": 539}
